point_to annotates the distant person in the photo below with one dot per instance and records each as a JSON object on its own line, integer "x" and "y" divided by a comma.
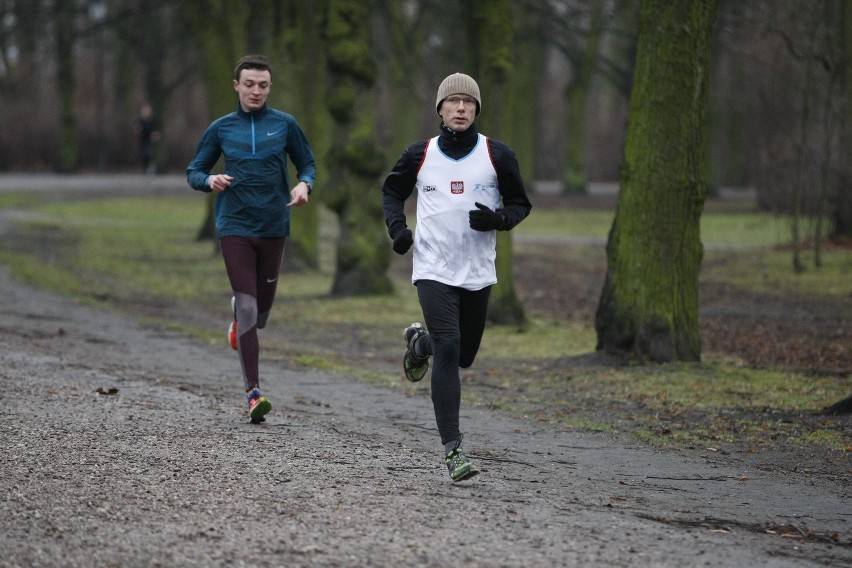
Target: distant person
{"x": 253, "y": 206}
{"x": 468, "y": 186}
{"x": 148, "y": 133}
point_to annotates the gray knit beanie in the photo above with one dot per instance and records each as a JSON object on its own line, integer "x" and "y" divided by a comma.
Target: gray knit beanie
{"x": 458, "y": 83}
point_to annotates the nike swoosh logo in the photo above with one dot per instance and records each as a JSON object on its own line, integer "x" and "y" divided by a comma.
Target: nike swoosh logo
{"x": 272, "y": 133}
{"x": 270, "y": 280}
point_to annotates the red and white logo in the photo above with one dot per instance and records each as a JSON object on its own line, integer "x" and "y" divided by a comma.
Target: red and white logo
{"x": 456, "y": 187}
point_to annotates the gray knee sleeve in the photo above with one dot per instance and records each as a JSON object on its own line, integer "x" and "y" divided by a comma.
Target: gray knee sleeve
{"x": 245, "y": 309}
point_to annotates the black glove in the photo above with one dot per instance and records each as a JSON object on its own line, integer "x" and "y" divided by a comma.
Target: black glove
{"x": 484, "y": 219}
{"x": 403, "y": 241}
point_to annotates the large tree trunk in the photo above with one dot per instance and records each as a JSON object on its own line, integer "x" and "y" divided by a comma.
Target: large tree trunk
{"x": 363, "y": 256}
{"x": 490, "y": 34}
{"x": 303, "y": 41}
{"x": 649, "y": 304}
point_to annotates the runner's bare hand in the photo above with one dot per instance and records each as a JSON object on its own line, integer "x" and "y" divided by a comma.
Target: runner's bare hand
{"x": 219, "y": 182}
{"x": 299, "y": 195}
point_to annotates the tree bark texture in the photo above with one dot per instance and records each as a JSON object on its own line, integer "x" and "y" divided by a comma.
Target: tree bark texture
{"x": 491, "y": 36}
{"x": 302, "y": 39}
{"x": 649, "y": 305}
{"x": 363, "y": 255}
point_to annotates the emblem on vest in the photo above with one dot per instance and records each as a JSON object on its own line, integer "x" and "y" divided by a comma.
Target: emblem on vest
{"x": 456, "y": 187}
{"x": 484, "y": 186}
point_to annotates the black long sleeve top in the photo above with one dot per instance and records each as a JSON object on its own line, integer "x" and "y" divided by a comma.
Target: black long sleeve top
{"x": 400, "y": 183}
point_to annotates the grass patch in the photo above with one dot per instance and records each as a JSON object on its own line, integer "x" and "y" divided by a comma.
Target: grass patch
{"x": 301, "y": 303}
{"x": 684, "y": 404}
{"x": 717, "y": 227}
{"x": 38, "y": 273}
{"x": 770, "y": 271}
{"x": 541, "y": 339}
{"x": 550, "y": 221}
{"x": 126, "y": 248}
{"x": 744, "y": 229}
{"x": 9, "y": 200}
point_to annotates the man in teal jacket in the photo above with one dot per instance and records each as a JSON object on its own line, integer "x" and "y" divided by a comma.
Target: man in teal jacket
{"x": 253, "y": 205}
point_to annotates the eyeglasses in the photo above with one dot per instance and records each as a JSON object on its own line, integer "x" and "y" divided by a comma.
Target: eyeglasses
{"x": 468, "y": 101}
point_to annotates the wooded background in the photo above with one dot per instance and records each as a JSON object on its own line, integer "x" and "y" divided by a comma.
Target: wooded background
{"x": 73, "y": 74}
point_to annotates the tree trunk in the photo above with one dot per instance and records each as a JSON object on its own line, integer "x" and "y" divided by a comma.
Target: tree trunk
{"x": 490, "y": 34}
{"x": 65, "y": 17}
{"x": 842, "y": 211}
{"x": 649, "y": 304}
{"x": 363, "y": 256}
{"x": 577, "y": 96}
{"x": 528, "y": 75}
{"x": 219, "y": 53}
{"x": 303, "y": 40}
{"x": 505, "y": 307}
{"x": 830, "y": 118}
{"x": 798, "y": 189}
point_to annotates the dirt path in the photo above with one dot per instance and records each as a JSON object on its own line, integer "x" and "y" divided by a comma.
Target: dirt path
{"x": 167, "y": 471}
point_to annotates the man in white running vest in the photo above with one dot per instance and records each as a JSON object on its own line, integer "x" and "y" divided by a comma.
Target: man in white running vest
{"x": 468, "y": 186}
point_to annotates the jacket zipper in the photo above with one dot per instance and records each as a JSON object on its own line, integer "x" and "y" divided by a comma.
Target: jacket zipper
{"x": 252, "y": 136}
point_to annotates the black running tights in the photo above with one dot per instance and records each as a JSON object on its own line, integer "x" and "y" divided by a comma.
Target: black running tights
{"x": 455, "y": 319}
{"x": 253, "y": 265}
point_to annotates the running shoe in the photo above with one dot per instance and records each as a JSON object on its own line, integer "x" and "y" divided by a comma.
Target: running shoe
{"x": 258, "y": 405}
{"x": 413, "y": 367}
{"x": 459, "y": 466}
{"x": 232, "y": 329}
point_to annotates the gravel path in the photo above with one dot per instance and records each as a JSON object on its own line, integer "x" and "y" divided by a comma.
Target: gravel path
{"x": 167, "y": 471}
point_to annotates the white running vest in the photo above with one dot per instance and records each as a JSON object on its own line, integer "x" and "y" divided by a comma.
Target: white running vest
{"x": 446, "y": 249}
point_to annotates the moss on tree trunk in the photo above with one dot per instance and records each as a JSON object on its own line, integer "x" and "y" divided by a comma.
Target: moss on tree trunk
{"x": 649, "y": 305}
{"x": 363, "y": 255}
{"x": 490, "y": 35}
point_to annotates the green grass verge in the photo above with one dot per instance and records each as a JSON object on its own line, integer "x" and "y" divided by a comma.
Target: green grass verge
{"x": 717, "y": 228}
{"x": 770, "y": 271}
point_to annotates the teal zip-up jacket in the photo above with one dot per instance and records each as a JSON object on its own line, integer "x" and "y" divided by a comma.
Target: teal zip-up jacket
{"x": 255, "y": 146}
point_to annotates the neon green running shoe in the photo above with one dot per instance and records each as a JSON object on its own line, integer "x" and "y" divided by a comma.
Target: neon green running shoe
{"x": 459, "y": 466}
{"x": 413, "y": 367}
